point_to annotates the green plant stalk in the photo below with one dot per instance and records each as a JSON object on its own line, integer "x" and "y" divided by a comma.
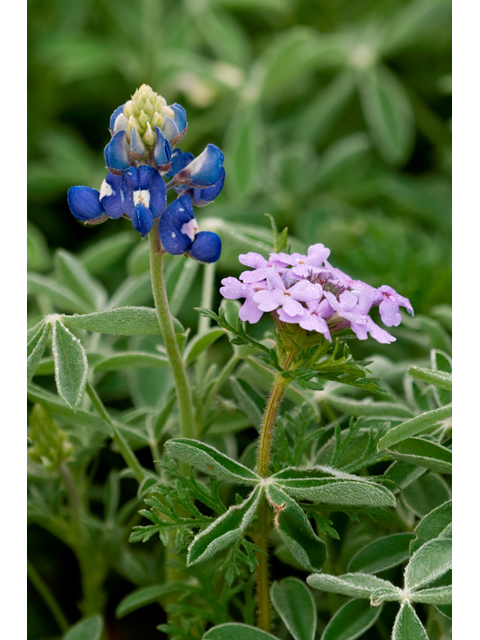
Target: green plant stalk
{"x": 263, "y": 465}
{"x": 184, "y": 396}
{"x": 48, "y": 597}
{"x": 125, "y": 449}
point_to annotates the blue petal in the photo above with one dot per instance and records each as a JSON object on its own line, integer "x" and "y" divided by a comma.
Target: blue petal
{"x": 117, "y": 155}
{"x": 202, "y": 197}
{"x": 111, "y": 196}
{"x": 180, "y": 117}
{"x": 150, "y": 180}
{"x": 142, "y": 219}
{"x": 114, "y": 116}
{"x": 137, "y": 148}
{"x": 163, "y": 152}
{"x": 130, "y": 184}
{"x": 178, "y": 213}
{"x": 205, "y": 170}
{"x": 84, "y": 203}
{"x": 206, "y": 247}
{"x": 179, "y": 160}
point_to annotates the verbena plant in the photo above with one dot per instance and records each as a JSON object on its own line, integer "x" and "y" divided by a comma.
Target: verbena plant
{"x": 345, "y": 479}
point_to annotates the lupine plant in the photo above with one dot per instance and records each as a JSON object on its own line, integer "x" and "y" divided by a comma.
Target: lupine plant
{"x": 292, "y": 459}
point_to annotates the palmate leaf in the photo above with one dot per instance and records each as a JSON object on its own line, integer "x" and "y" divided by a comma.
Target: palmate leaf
{"x": 430, "y": 562}
{"x": 407, "y": 625}
{"x": 356, "y": 585}
{"x": 436, "y": 595}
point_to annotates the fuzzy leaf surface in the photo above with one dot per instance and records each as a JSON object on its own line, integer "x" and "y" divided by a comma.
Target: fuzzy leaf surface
{"x": 382, "y": 554}
{"x": 295, "y": 530}
{"x": 435, "y": 524}
{"x": 296, "y": 607}
{"x": 436, "y": 595}
{"x": 414, "y": 426}
{"x": 431, "y": 561}
{"x": 423, "y": 453}
{"x": 407, "y": 625}
{"x": 225, "y": 530}
{"x": 35, "y": 349}
{"x": 352, "y": 620}
{"x": 209, "y": 460}
{"x": 356, "y": 585}
{"x": 441, "y": 379}
{"x": 131, "y": 360}
{"x": 71, "y": 366}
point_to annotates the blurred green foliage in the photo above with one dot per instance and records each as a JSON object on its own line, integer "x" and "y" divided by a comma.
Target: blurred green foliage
{"x": 333, "y": 116}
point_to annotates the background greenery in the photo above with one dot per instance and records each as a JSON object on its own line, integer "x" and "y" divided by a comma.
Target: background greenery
{"x": 334, "y": 116}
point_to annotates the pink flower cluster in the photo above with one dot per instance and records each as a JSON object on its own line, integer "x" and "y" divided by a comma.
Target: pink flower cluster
{"x": 308, "y": 291}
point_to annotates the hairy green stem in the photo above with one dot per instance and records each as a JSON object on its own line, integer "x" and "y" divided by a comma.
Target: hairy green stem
{"x": 184, "y": 397}
{"x": 48, "y": 597}
{"x": 123, "y": 446}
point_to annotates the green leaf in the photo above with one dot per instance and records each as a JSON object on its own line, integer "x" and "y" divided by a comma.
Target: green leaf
{"x": 199, "y": 343}
{"x": 123, "y": 321}
{"x": 295, "y": 530}
{"x": 87, "y": 629}
{"x": 38, "y": 257}
{"x": 407, "y": 625}
{"x": 431, "y": 561}
{"x": 242, "y": 150}
{"x": 388, "y": 113}
{"x": 414, "y": 426}
{"x": 403, "y": 474}
{"x": 104, "y": 253}
{"x": 357, "y": 408}
{"x": 296, "y": 607}
{"x": 35, "y": 349}
{"x": 436, "y": 595}
{"x": 246, "y": 404}
{"x": 135, "y": 290}
{"x": 351, "y": 620}
{"x": 424, "y": 454}
{"x": 342, "y": 489}
{"x": 435, "y": 524}
{"x": 79, "y": 281}
{"x": 426, "y": 493}
{"x": 58, "y": 295}
{"x": 441, "y": 379}
{"x": 236, "y": 631}
{"x": 382, "y": 553}
{"x": 131, "y": 360}
{"x": 209, "y": 460}
{"x": 54, "y": 404}
{"x": 356, "y": 585}
{"x": 183, "y": 280}
{"x": 146, "y": 595}
{"x": 225, "y": 530}
{"x": 71, "y": 366}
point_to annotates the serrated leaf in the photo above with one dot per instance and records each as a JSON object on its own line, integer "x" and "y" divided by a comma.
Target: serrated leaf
{"x": 407, "y": 625}
{"x": 356, "y": 585}
{"x": 351, "y": 621}
{"x": 131, "y": 360}
{"x": 434, "y": 524}
{"x": 431, "y": 561}
{"x": 123, "y": 321}
{"x": 236, "y": 631}
{"x": 225, "y": 530}
{"x": 35, "y": 349}
{"x": 441, "y": 379}
{"x": 295, "y": 530}
{"x": 79, "y": 281}
{"x": 426, "y": 493}
{"x": 205, "y": 458}
{"x": 414, "y": 426}
{"x": 146, "y": 595}
{"x": 296, "y": 607}
{"x": 87, "y": 629}
{"x": 71, "y": 366}
{"x": 198, "y": 344}
{"x": 388, "y": 113}
{"x": 60, "y": 296}
{"x": 56, "y": 405}
{"x": 423, "y": 453}
{"x": 436, "y": 595}
{"x": 381, "y": 554}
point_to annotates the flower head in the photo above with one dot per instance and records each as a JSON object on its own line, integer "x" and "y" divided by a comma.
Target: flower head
{"x": 308, "y": 291}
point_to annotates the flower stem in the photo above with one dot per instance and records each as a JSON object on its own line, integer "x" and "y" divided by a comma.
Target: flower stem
{"x": 184, "y": 397}
{"x": 263, "y": 464}
{"x": 125, "y": 449}
{"x": 48, "y": 597}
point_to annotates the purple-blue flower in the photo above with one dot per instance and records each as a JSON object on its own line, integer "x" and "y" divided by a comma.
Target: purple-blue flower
{"x": 144, "y": 196}
{"x": 389, "y": 306}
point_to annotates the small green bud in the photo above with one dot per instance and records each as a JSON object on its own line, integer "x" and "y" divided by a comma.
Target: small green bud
{"x": 145, "y": 111}
{"x": 149, "y": 137}
{"x": 50, "y": 444}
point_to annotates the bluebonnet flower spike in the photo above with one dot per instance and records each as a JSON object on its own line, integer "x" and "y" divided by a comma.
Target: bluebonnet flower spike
{"x": 85, "y": 205}
{"x": 144, "y": 196}
{"x": 117, "y": 154}
{"x": 202, "y": 197}
{"x": 204, "y": 171}
{"x": 177, "y": 226}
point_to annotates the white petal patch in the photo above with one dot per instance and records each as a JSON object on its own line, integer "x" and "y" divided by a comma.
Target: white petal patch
{"x": 106, "y": 190}
{"x": 142, "y": 197}
{"x": 121, "y": 124}
{"x": 190, "y": 229}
